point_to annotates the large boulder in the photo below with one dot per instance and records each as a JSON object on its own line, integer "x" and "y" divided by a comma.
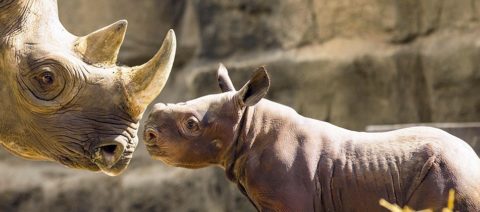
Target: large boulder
{"x": 391, "y": 21}
{"x": 243, "y": 26}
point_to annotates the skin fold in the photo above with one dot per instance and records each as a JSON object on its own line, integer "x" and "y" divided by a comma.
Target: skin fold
{"x": 63, "y": 98}
{"x": 283, "y": 161}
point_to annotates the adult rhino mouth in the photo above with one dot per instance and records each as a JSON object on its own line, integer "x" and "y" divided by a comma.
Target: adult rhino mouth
{"x": 112, "y": 158}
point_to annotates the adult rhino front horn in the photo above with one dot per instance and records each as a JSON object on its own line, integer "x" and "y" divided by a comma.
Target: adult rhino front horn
{"x": 63, "y": 98}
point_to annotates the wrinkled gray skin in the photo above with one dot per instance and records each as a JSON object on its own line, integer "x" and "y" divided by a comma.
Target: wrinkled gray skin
{"x": 63, "y": 98}
{"x": 287, "y": 162}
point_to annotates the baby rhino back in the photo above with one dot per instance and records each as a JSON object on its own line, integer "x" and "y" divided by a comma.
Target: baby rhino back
{"x": 413, "y": 166}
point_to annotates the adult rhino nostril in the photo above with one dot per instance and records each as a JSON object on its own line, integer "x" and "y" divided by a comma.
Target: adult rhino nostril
{"x": 109, "y": 149}
{"x": 109, "y": 154}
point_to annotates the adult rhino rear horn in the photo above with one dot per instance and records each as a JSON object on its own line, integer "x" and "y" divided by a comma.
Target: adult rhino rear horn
{"x": 102, "y": 46}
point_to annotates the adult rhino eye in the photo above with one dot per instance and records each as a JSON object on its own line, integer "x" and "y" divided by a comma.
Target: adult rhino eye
{"x": 47, "y": 83}
{"x": 46, "y": 78}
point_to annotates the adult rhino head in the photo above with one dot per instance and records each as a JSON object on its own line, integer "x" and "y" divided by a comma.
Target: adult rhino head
{"x": 63, "y": 98}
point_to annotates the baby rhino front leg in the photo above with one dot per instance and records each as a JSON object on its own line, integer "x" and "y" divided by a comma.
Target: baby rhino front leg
{"x": 273, "y": 187}
{"x": 280, "y": 195}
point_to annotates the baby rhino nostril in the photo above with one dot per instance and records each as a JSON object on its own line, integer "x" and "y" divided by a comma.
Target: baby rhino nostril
{"x": 151, "y": 135}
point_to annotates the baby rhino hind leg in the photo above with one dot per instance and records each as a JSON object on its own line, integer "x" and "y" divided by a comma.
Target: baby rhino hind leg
{"x": 425, "y": 192}
{"x": 433, "y": 189}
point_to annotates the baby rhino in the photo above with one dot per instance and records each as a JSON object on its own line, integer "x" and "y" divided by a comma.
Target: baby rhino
{"x": 283, "y": 161}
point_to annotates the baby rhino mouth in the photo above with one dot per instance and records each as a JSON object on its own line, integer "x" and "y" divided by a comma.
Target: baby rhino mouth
{"x": 113, "y": 157}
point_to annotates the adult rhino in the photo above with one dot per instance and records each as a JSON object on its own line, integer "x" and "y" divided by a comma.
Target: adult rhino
{"x": 63, "y": 98}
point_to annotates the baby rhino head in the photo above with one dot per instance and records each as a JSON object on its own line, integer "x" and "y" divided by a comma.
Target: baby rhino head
{"x": 200, "y": 132}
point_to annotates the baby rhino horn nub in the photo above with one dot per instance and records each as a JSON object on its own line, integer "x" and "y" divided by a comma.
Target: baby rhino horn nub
{"x": 145, "y": 82}
{"x": 101, "y": 47}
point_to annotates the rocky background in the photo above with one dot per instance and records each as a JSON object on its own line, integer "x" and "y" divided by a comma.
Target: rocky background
{"x": 353, "y": 63}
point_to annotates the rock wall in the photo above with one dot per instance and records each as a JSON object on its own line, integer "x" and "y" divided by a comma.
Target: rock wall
{"x": 350, "y": 62}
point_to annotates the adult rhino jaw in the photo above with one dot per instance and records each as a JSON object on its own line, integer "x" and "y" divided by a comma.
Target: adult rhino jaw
{"x": 64, "y": 99}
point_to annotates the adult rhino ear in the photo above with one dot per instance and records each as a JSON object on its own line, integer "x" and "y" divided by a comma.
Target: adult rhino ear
{"x": 255, "y": 89}
{"x": 224, "y": 81}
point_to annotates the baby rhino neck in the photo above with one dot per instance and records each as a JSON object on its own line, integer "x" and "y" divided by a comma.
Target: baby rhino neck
{"x": 273, "y": 131}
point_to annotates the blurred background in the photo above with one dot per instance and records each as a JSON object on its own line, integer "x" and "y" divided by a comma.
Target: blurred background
{"x": 354, "y": 63}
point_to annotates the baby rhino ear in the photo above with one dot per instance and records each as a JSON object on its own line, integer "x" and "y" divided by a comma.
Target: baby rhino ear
{"x": 255, "y": 89}
{"x": 224, "y": 80}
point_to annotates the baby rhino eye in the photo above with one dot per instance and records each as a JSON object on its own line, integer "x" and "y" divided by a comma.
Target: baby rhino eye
{"x": 192, "y": 124}
{"x": 190, "y": 127}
